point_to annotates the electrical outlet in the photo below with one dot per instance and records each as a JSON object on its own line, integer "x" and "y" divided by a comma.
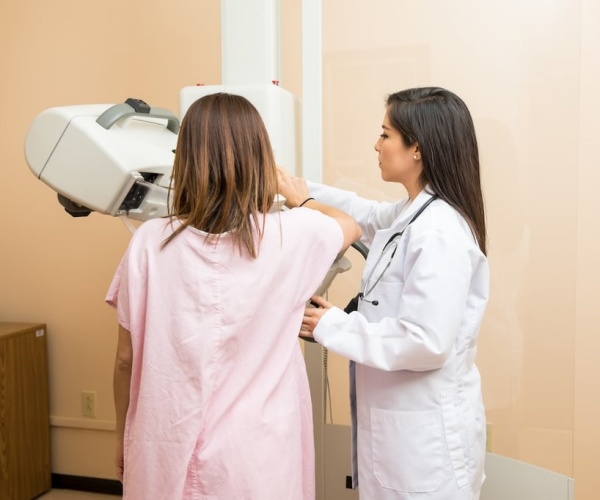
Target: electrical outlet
{"x": 88, "y": 403}
{"x": 488, "y": 436}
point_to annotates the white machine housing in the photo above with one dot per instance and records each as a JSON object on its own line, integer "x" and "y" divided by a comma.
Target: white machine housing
{"x": 110, "y": 159}
{"x": 275, "y": 105}
{"x": 117, "y": 159}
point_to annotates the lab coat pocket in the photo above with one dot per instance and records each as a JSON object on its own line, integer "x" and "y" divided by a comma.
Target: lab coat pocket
{"x": 408, "y": 449}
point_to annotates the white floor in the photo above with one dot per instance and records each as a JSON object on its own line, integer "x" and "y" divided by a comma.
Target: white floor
{"x": 75, "y": 495}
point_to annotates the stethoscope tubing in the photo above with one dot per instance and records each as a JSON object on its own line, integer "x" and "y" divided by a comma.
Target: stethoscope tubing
{"x": 365, "y": 292}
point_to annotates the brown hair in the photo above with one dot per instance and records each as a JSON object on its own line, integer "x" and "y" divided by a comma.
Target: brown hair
{"x": 441, "y": 124}
{"x": 224, "y": 173}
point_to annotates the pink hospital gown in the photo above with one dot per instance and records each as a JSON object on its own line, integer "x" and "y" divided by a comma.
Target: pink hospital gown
{"x": 220, "y": 405}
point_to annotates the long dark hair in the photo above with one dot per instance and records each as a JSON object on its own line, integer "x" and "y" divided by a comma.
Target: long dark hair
{"x": 441, "y": 124}
{"x": 224, "y": 173}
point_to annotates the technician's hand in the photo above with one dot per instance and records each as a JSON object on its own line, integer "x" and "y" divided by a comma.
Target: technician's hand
{"x": 312, "y": 315}
{"x": 293, "y": 189}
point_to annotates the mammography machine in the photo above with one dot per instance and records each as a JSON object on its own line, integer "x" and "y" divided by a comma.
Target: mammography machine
{"x": 111, "y": 159}
{"x": 117, "y": 159}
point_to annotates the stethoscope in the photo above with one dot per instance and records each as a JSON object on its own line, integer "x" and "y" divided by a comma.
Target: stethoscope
{"x": 390, "y": 247}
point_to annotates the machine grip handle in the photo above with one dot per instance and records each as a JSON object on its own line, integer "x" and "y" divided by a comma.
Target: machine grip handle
{"x": 136, "y": 107}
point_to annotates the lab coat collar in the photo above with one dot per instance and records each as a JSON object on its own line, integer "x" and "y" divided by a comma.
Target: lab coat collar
{"x": 415, "y": 205}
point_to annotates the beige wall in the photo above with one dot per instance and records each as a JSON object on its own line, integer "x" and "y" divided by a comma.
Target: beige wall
{"x": 529, "y": 73}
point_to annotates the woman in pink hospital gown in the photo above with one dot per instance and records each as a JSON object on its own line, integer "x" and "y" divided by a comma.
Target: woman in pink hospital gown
{"x": 211, "y": 392}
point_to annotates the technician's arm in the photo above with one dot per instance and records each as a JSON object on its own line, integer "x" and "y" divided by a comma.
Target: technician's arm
{"x": 295, "y": 192}
{"x": 432, "y": 305}
{"x": 121, "y": 384}
{"x": 371, "y": 215}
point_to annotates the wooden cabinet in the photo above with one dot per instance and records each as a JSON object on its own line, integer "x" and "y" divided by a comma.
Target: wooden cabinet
{"x": 24, "y": 412}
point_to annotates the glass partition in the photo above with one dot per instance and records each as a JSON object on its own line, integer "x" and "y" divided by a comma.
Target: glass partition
{"x": 516, "y": 66}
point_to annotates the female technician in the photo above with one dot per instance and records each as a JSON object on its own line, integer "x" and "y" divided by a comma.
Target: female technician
{"x": 418, "y": 410}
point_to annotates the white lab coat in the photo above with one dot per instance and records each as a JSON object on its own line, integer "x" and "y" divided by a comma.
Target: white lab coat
{"x": 420, "y": 421}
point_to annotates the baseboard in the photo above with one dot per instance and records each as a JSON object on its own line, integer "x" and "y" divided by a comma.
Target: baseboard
{"x": 89, "y": 484}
